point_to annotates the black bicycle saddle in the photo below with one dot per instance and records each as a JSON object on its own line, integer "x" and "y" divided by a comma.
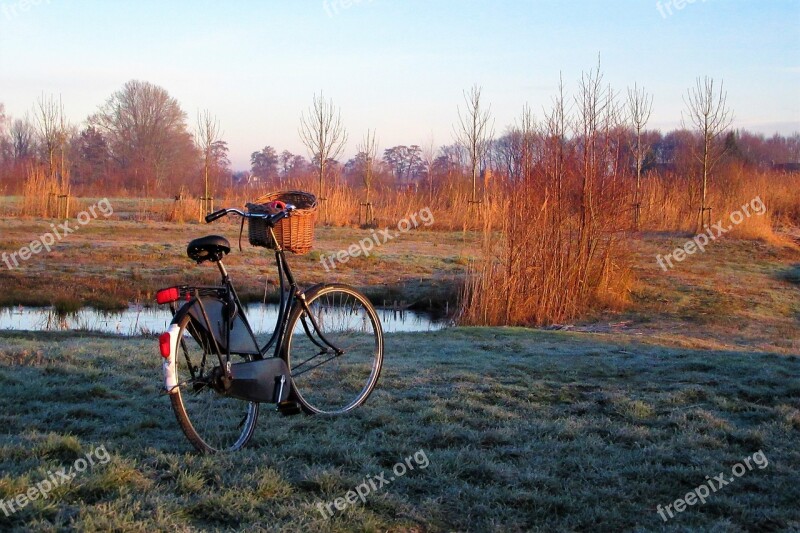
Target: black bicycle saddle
{"x": 209, "y": 248}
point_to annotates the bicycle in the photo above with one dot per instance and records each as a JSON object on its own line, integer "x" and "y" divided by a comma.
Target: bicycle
{"x": 327, "y": 348}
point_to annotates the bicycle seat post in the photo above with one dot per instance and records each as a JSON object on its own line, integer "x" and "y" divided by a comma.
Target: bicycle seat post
{"x": 222, "y": 270}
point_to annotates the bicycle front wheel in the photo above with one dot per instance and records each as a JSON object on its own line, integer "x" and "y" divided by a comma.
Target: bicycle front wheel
{"x": 334, "y": 350}
{"x": 211, "y": 421}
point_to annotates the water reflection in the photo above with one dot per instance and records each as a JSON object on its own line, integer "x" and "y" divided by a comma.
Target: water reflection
{"x": 138, "y": 320}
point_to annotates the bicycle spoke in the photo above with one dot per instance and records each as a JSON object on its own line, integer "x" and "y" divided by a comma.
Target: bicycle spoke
{"x": 211, "y": 421}
{"x": 313, "y": 367}
{"x": 340, "y": 376}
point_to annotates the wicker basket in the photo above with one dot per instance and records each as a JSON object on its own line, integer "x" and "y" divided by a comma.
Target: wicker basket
{"x": 295, "y": 233}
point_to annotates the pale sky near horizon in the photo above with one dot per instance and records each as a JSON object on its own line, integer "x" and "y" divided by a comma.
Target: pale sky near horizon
{"x": 397, "y": 66}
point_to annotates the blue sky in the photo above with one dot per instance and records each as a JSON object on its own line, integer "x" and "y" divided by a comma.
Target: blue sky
{"x": 398, "y": 66}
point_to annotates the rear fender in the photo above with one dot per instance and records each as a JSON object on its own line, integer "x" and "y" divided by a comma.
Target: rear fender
{"x": 170, "y": 374}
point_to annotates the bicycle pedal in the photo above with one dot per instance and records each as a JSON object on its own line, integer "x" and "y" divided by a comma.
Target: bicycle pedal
{"x": 289, "y": 408}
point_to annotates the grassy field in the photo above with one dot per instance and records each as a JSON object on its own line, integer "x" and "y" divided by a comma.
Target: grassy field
{"x": 596, "y": 425}
{"x": 519, "y": 429}
{"x": 739, "y": 295}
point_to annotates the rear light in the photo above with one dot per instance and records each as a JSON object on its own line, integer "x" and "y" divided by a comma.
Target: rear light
{"x": 167, "y": 296}
{"x": 164, "y": 343}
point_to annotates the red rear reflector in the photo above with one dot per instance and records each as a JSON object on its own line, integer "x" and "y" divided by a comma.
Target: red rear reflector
{"x": 166, "y": 296}
{"x": 164, "y": 342}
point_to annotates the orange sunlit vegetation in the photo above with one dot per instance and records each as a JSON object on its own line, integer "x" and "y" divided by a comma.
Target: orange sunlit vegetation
{"x": 556, "y": 195}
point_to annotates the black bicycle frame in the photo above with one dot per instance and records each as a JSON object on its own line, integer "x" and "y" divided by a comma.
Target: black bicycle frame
{"x": 290, "y": 294}
{"x": 287, "y": 300}
{"x": 287, "y": 303}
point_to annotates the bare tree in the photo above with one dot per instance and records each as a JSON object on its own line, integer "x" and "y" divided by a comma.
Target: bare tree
{"x": 3, "y": 120}
{"x": 640, "y": 106}
{"x": 323, "y": 135}
{"x": 54, "y": 131}
{"x": 598, "y": 134}
{"x": 428, "y": 158}
{"x": 557, "y": 249}
{"x": 369, "y": 148}
{"x": 285, "y": 161}
{"x": 147, "y": 135}
{"x": 208, "y": 133}
{"x": 592, "y": 103}
{"x": 527, "y": 130}
{"x": 474, "y": 132}
{"x": 6, "y": 147}
{"x": 708, "y": 112}
{"x": 555, "y": 133}
{"x": 23, "y": 139}
{"x": 48, "y": 117}
{"x": 265, "y": 164}
{"x": 66, "y": 133}
{"x": 406, "y": 163}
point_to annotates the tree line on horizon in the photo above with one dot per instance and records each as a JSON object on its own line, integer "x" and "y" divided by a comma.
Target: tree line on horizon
{"x": 140, "y": 142}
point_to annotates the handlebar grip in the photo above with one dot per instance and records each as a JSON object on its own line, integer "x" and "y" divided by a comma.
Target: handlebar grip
{"x": 215, "y": 215}
{"x": 280, "y": 216}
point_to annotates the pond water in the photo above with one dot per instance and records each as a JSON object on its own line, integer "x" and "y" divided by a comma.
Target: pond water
{"x": 138, "y": 320}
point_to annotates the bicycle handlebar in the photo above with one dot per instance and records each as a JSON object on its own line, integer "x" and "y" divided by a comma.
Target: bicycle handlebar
{"x": 273, "y": 219}
{"x": 215, "y": 215}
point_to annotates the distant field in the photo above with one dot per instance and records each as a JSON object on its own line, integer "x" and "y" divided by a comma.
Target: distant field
{"x": 521, "y": 430}
{"x": 108, "y": 263}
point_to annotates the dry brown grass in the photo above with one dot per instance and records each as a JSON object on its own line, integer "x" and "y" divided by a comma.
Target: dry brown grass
{"x": 340, "y": 206}
{"x": 669, "y": 200}
{"x": 450, "y": 206}
{"x": 183, "y": 210}
{"x": 529, "y": 272}
{"x": 39, "y": 193}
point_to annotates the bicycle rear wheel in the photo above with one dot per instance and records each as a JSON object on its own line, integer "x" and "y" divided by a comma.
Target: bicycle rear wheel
{"x": 212, "y": 422}
{"x": 335, "y": 352}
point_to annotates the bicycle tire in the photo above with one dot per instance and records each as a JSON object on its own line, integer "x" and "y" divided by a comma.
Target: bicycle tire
{"x": 200, "y": 409}
{"x": 336, "y": 383}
